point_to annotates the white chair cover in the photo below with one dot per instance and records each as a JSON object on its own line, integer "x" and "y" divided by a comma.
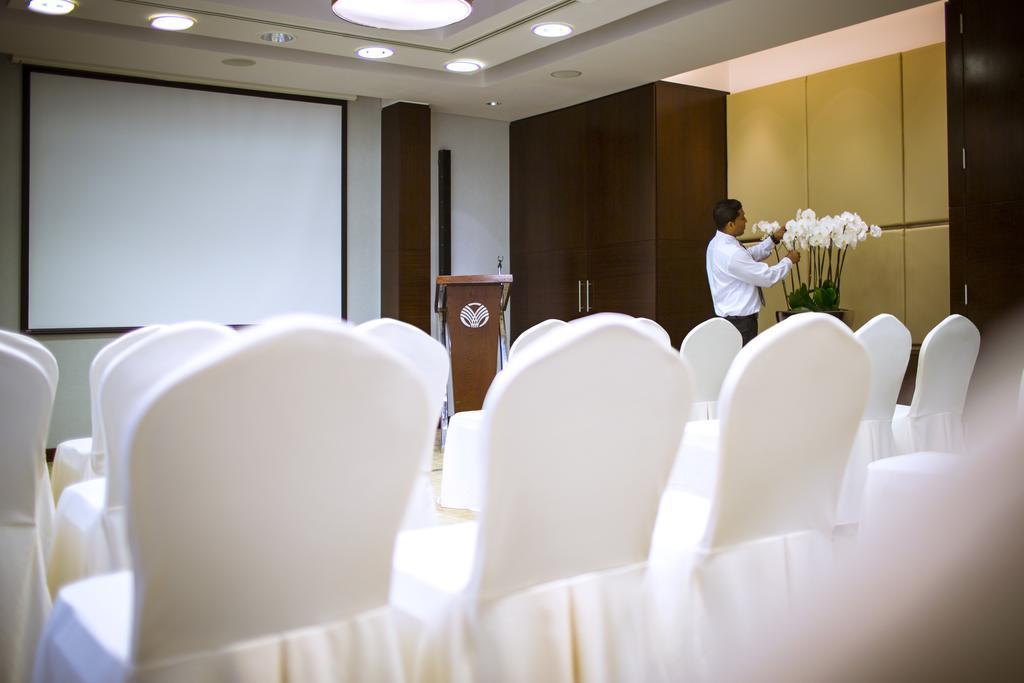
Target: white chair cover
{"x": 789, "y": 407}
{"x": 461, "y": 485}
{"x": 268, "y": 482}
{"x": 80, "y": 459}
{"x": 90, "y": 536}
{"x": 655, "y": 329}
{"x": 710, "y": 348}
{"x": 44, "y": 495}
{"x": 580, "y": 436}
{"x": 26, "y": 403}
{"x": 36, "y": 351}
{"x": 462, "y": 465}
{"x": 934, "y": 420}
{"x": 430, "y": 359}
{"x": 887, "y": 341}
{"x": 532, "y": 334}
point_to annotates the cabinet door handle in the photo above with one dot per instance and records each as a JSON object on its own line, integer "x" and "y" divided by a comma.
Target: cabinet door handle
{"x": 579, "y": 296}
{"x": 588, "y": 296}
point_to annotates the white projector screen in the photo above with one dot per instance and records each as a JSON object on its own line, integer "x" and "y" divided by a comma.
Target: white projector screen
{"x": 154, "y": 203}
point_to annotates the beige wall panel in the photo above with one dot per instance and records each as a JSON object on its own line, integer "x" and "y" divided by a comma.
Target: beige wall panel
{"x": 854, "y": 141}
{"x": 874, "y": 278}
{"x": 927, "y": 279}
{"x": 924, "y": 134}
{"x": 767, "y": 134}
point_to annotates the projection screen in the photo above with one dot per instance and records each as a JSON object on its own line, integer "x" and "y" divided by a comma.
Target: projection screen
{"x": 153, "y": 203}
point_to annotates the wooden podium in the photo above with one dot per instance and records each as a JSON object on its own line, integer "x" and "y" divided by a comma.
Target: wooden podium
{"x": 471, "y": 312}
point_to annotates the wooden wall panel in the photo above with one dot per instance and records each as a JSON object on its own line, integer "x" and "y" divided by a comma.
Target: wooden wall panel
{"x": 768, "y": 150}
{"x": 549, "y": 285}
{"x": 691, "y": 160}
{"x": 854, "y": 141}
{"x": 926, "y": 187}
{"x": 955, "y": 104}
{"x": 620, "y": 170}
{"x": 622, "y": 279}
{"x": 548, "y": 157}
{"x": 993, "y": 96}
{"x": 957, "y": 259}
{"x": 993, "y": 264}
{"x": 985, "y": 95}
{"x": 927, "y": 272}
{"x": 405, "y": 214}
{"x": 691, "y": 177}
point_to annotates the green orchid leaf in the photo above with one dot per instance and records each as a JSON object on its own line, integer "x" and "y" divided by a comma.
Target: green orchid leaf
{"x": 800, "y": 299}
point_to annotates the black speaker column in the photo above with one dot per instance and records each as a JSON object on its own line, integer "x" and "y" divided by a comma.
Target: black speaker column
{"x": 444, "y": 212}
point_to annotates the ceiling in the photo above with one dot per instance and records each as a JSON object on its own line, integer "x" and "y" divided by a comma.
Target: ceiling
{"x": 617, "y": 44}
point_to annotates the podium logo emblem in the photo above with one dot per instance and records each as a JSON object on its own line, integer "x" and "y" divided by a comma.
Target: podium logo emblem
{"x": 474, "y": 315}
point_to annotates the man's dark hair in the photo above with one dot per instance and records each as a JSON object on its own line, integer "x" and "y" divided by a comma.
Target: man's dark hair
{"x": 726, "y": 211}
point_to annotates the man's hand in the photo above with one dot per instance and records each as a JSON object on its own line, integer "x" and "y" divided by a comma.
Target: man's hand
{"x": 777, "y": 235}
{"x": 793, "y": 256}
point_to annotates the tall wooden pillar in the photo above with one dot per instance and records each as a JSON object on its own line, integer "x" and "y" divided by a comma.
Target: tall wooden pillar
{"x": 405, "y": 214}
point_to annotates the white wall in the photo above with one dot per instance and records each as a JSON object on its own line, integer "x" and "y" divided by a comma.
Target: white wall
{"x": 479, "y": 150}
{"x": 363, "y": 218}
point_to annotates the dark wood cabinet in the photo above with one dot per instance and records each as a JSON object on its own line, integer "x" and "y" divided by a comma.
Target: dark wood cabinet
{"x": 985, "y": 118}
{"x": 610, "y": 206}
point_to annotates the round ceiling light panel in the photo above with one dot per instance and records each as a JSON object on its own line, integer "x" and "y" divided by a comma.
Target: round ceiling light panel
{"x": 402, "y": 15}
{"x": 171, "y": 22}
{"x": 552, "y": 29}
{"x": 463, "y": 66}
{"x": 53, "y": 6}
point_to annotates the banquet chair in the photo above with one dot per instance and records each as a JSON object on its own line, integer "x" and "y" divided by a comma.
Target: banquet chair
{"x": 887, "y": 341}
{"x": 579, "y": 437}
{"x": 26, "y": 404}
{"x": 261, "y": 527}
{"x": 430, "y": 359}
{"x": 44, "y": 493}
{"x": 655, "y": 328}
{"x": 532, "y": 334}
{"x": 934, "y": 419}
{"x": 709, "y": 348}
{"x": 761, "y": 544}
{"x": 90, "y": 537}
{"x": 80, "y": 459}
{"x": 461, "y": 471}
{"x": 36, "y": 351}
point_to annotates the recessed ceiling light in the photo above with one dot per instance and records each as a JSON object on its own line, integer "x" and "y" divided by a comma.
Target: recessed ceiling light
{"x": 552, "y": 30}
{"x": 171, "y": 22}
{"x": 567, "y": 73}
{"x": 375, "y": 52}
{"x": 238, "y": 61}
{"x": 52, "y": 6}
{"x": 277, "y": 37}
{"x": 463, "y": 66}
{"x": 493, "y": 103}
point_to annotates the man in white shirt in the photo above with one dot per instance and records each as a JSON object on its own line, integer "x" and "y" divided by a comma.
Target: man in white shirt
{"x": 736, "y": 273}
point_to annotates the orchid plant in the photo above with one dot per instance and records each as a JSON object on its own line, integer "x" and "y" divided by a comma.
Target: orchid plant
{"x": 827, "y": 241}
